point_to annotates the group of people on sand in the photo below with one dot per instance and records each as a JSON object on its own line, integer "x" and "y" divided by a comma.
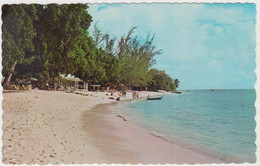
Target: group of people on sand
{"x": 121, "y": 93}
{"x": 135, "y": 94}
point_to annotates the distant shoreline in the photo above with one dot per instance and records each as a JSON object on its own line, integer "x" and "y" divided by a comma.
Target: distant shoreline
{"x": 214, "y": 89}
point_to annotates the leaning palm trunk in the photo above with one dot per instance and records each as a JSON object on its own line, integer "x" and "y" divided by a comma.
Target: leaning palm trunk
{"x": 8, "y": 79}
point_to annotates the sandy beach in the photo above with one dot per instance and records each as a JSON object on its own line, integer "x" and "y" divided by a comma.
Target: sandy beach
{"x": 55, "y": 127}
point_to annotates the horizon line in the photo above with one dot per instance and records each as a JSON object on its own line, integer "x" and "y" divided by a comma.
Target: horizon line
{"x": 219, "y": 89}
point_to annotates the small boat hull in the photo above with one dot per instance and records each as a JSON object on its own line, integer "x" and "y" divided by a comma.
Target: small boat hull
{"x": 178, "y": 92}
{"x": 154, "y": 98}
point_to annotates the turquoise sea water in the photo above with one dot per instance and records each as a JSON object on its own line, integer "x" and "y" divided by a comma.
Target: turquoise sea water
{"x": 219, "y": 123}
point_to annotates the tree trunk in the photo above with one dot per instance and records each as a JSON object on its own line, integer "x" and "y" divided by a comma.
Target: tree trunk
{"x": 8, "y": 79}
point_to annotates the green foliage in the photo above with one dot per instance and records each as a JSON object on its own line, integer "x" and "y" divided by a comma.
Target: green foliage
{"x": 18, "y": 33}
{"x": 176, "y": 82}
{"x": 160, "y": 80}
{"x": 106, "y": 57}
{"x": 64, "y": 29}
{"x": 135, "y": 59}
{"x": 44, "y": 41}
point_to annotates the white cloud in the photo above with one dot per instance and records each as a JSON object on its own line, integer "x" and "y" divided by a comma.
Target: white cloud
{"x": 195, "y": 38}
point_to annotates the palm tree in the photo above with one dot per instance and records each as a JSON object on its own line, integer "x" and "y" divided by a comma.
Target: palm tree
{"x": 176, "y": 82}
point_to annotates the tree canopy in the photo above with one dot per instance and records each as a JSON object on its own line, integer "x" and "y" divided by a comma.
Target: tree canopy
{"x": 17, "y": 34}
{"x": 135, "y": 59}
{"x": 160, "y": 80}
{"x": 44, "y": 41}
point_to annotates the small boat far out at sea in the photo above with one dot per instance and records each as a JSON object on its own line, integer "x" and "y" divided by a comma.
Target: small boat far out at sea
{"x": 154, "y": 98}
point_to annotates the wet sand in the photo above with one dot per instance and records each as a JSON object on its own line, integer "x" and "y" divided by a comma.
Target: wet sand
{"x": 125, "y": 142}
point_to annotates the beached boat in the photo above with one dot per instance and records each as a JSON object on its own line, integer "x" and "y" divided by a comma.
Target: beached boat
{"x": 178, "y": 92}
{"x": 154, "y": 98}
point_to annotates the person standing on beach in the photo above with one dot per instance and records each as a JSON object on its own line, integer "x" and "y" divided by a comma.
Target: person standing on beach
{"x": 124, "y": 93}
{"x": 112, "y": 92}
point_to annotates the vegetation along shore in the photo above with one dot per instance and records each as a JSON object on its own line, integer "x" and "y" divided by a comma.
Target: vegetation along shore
{"x": 42, "y": 43}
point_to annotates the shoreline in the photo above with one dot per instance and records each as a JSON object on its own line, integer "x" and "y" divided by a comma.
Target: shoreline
{"x": 220, "y": 158}
{"x": 139, "y": 141}
{"x": 54, "y": 127}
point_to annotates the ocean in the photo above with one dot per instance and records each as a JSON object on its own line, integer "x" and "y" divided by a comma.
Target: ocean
{"x": 219, "y": 123}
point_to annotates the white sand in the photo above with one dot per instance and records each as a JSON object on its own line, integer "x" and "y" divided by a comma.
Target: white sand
{"x": 42, "y": 127}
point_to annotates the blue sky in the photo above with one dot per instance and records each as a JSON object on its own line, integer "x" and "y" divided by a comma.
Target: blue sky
{"x": 205, "y": 46}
